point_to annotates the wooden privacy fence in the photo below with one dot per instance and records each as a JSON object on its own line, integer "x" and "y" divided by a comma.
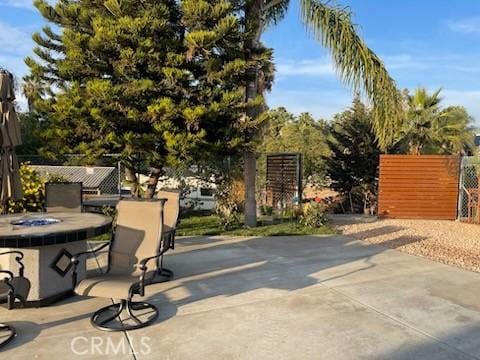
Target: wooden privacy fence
{"x": 418, "y": 186}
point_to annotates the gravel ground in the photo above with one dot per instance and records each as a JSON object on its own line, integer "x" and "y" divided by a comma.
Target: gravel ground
{"x": 450, "y": 242}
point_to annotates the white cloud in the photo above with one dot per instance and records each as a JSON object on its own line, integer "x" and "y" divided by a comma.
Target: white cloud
{"x": 25, "y": 4}
{"x": 445, "y": 64}
{"x": 326, "y": 103}
{"x": 308, "y": 67}
{"x": 469, "y": 99}
{"x": 15, "y": 43}
{"x": 467, "y": 26}
{"x": 320, "y": 103}
{"x": 14, "y": 40}
{"x": 323, "y": 66}
{"x": 405, "y": 61}
{"x": 21, "y": 101}
{"x": 14, "y": 64}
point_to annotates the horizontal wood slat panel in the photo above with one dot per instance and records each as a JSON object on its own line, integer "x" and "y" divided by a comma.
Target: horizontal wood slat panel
{"x": 418, "y": 187}
{"x": 407, "y": 212}
{"x": 423, "y": 203}
{"x": 397, "y": 192}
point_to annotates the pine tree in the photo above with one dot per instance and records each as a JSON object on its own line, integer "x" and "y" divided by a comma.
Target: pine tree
{"x": 142, "y": 81}
{"x": 112, "y": 60}
{"x": 214, "y": 39}
{"x": 355, "y": 154}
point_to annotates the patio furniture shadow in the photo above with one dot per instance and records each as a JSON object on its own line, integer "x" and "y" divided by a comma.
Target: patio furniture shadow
{"x": 461, "y": 345}
{"x": 239, "y": 266}
{"x": 30, "y": 330}
{"x": 235, "y": 266}
{"x": 380, "y": 231}
{"x": 25, "y": 336}
{"x": 402, "y": 241}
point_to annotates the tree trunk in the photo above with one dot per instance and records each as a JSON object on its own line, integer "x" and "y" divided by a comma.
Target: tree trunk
{"x": 132, "y": 179}
{"x": 250, "y": 165}
{"x": 254, "y": 25}
{"x": 155, "y": 174}
{"x": 249, "y": 175}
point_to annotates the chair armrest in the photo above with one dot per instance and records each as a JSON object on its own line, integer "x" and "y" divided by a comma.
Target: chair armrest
{"x": 75, "y": 257}
{"x": 18, "y": 259}
{"x": 75, "y": 260}
{"x": 11, "y": 290}
{"x": 9, "y": 273}
{"x": 143, "y": 262}
{"x": 13, "y": 252}
{"x": 143, "y": 266}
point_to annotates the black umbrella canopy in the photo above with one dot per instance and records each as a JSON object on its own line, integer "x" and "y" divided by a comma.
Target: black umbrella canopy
{"x": 10, "y": 185}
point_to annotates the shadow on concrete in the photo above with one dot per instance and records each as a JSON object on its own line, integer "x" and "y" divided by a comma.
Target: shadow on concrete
{"x": 28, "y": 330}
{"x": 225, "y": 268}
{"x": 460, "y": 345}
{"x": 22, "y": 337}
{"x": 380, "y": 231}
{"x": 228, "y": 268}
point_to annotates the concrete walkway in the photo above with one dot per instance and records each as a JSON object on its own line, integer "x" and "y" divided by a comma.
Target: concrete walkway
{"x": 319, "y": 297}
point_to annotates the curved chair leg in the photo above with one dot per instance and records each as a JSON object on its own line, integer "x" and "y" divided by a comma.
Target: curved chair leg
{"x": 8, "y": 331}
{"x": 129, "y": 307}
{"x": 167, "y": 274}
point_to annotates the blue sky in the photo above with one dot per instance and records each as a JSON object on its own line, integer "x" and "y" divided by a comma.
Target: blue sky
{"x": 423, "y": 43}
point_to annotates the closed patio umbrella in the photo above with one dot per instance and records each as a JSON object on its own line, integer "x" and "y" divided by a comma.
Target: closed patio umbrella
{"x": 10, "y": 186}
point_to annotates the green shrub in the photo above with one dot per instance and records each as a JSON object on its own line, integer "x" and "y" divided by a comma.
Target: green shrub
{"x": 227, "y": 206}
{"x": 313, "y": 215}
{"x": 266, "y": 210}
{"x": 33, "y": 187}
{"x": 55, "y": 178}
{"x": 289, "y": 213}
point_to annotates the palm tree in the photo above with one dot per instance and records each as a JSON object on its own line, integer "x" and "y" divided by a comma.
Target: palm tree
{"x": 429, "y": 129}
{"x": 417, "y": 135}
{"x": 457, "y": 135}
{"x": 31, "y": 90}
{"x": 357, "y": 65}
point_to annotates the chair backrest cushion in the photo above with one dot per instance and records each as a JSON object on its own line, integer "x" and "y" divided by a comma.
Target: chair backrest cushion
{"x": 138, "y": 234}
{"x": 63, "y": 197}
{"x": 172, "y": 207}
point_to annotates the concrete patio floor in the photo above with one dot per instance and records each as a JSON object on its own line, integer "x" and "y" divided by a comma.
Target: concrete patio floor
{"x": 318, "y": 297}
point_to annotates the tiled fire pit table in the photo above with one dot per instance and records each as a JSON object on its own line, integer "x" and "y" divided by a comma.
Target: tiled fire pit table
{"x": 48, "y": 242}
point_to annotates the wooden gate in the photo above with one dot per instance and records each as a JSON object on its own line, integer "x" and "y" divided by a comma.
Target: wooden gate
{"x": 418, "y": 186}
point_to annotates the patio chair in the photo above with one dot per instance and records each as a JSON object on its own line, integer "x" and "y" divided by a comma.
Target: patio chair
{"x": 137, "y": 240}
{"x": 64, "y": 197}
{"x": 171, "y": 212}
{"x": 12, "y": 288}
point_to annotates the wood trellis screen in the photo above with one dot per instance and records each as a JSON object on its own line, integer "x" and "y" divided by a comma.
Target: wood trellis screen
{"x": 284, "y": 179}
{"x": 418, "y": 187}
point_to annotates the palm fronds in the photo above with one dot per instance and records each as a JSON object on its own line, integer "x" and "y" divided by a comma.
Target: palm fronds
{"x": 357, "y": 64}
{"x": 274, "y": 11}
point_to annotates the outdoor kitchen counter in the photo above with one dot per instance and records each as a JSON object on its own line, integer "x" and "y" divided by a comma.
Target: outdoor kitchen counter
{"x": 48, "y": 250}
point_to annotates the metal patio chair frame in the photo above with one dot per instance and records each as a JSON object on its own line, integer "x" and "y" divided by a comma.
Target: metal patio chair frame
{"x": 12, "y": 294}
{"x": 171, "y": 214}
{"x": 136, "y": 287}
{"x": 50, "y": 192}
